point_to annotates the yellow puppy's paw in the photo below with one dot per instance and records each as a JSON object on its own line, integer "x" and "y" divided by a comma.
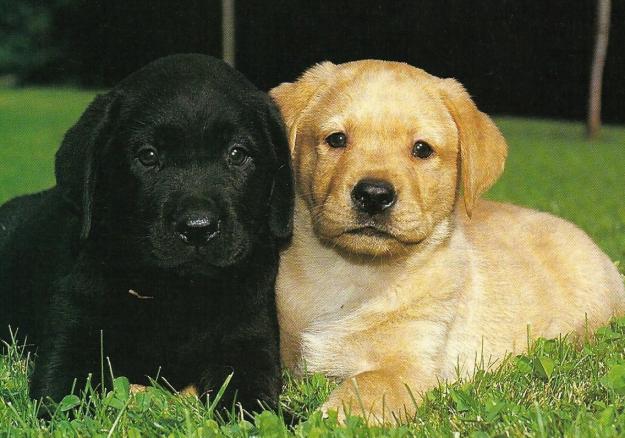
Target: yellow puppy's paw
{"x": 342, "y": 409}
{"x": 190, "y": 391}
{"x": 345, "y": 402}
{"x": 377, "y": 397}
{"x": 328, "y": 409}
{"x": 135, "y": 389}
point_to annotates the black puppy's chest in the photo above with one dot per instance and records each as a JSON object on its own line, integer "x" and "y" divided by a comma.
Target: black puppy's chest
{"x": 172, "y": 329}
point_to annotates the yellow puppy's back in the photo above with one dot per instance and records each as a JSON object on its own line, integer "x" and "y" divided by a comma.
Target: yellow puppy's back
{"x": 531, "y": 270}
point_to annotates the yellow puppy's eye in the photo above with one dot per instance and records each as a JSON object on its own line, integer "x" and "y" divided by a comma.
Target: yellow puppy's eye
{"x": 422, "y": 150}
{"x": 337, "y": 140}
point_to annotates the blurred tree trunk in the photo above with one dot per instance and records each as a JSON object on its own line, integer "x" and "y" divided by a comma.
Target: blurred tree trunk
{"x": 602, "y": 26}
{"x": 228, "y": 45}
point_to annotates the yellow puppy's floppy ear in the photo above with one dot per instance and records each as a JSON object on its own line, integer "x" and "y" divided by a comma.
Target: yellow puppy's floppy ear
{"x": 294, "y": 97}
{"x": 483, "y": 149}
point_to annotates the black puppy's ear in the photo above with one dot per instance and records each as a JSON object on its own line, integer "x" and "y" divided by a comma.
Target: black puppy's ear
{"x": 282, "y": 193}
{"x": 76, "y": 159}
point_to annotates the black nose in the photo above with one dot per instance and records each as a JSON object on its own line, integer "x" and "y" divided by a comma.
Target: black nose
{"x": 373, "y": 196}
{"x": 197, "y": 228}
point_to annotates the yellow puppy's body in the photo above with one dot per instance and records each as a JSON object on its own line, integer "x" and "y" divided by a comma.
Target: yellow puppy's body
{"x": 425, "y": 288}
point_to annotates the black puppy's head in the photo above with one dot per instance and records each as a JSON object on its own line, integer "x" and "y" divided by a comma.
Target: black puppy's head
{"x": 183, "y": 165}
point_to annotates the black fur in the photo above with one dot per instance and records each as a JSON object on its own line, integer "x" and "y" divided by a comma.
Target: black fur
{"x": 100, "y": 252}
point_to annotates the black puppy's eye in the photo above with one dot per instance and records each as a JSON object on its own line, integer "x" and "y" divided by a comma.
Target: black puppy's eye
{"x": 422, "y": 150}
{"x": 337, "y": 140}
{"x": 238, "y": 156}
{"x": 148, "y": 156}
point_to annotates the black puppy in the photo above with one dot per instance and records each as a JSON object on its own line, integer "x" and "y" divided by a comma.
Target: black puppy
{"x": 173, "y": 194}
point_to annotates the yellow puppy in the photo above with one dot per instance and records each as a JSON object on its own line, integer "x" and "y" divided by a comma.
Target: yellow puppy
{"x": 397, "y": 273}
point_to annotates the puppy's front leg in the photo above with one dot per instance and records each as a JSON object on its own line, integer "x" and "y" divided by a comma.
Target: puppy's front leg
{"x": 71, "y": 341}
{"x": 252, "y": 356}
{"x": 383, "y": 396}
{"x": 69, "y": 353}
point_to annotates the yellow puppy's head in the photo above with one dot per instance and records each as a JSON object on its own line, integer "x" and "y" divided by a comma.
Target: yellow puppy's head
{"x": 379, "y": 148}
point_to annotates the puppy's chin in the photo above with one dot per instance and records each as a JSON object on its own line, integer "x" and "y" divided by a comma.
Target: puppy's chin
{"x": 218, "y": 254}
{"x": 369, "y": 241}
{"x": 353, "y": 236}
{"x": 211, "y": 261}
{"x": 370, "y": 244}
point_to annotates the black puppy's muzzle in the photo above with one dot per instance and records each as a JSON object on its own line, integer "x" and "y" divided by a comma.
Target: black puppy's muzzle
{"x": 195, "y": 220}
{"x": 197, "y": 227}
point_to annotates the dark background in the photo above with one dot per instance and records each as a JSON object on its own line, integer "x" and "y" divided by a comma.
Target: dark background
{"x": 522, "y": 57}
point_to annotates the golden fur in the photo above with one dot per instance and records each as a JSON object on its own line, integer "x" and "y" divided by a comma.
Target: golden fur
{"x": 458, "y": 279}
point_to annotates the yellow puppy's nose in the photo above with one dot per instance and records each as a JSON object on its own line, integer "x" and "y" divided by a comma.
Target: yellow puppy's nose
{"x": 373, "y": 196}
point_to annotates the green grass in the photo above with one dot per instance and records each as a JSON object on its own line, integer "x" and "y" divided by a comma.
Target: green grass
{"x": 552, "y": 167}
{"x": 32, "y": 124}
{"x": 558, "y": 388}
